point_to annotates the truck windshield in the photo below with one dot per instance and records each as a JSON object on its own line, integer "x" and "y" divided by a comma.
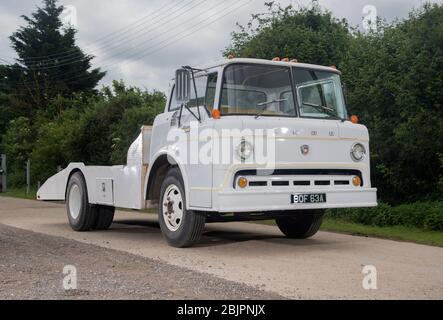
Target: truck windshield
{"x": 319, "y": 94}
{"x": 266, "y": 90}
{"x": 257, "y": 90}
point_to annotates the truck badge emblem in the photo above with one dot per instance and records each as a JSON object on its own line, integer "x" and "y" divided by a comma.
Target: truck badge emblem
{"x": 304, "y": 149}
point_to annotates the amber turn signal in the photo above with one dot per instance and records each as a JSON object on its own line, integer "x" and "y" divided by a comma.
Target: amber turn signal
{"x": 356, "y": 181}
{"x": 354, "y": 119}
{"x": 242, "y": 182}
{"x": 216, "y": 114}
{"x": 276, "y": 59}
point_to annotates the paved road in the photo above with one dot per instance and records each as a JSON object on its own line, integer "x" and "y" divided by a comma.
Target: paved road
{"x": 326, "y": 266}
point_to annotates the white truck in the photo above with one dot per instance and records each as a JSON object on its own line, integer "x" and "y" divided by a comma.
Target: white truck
{"x": 241, "y": 139}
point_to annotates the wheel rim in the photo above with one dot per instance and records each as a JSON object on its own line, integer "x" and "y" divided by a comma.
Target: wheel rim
{"x": 75, "y": 201}
{"x": 172, "y": 209}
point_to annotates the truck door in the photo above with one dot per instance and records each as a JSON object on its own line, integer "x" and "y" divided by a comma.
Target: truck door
{"x": 199, "y": 165}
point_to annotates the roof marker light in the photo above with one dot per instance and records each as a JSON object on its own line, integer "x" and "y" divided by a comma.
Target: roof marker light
{"x": 354, "y": 119}
{"x": 276, "y": 59}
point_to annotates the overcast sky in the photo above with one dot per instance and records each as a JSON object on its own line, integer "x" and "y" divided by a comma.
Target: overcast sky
{"x": 144, "y": 41}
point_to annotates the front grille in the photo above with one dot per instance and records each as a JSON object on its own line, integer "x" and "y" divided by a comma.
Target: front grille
{"x": 299, "y": 178}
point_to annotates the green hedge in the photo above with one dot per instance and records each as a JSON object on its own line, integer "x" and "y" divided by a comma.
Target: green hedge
{"x": 424, "y": 215}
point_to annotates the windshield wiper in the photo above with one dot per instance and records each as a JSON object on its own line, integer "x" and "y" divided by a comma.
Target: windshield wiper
{"x": 265, "y": 105}
{"x": 327, "y": 110}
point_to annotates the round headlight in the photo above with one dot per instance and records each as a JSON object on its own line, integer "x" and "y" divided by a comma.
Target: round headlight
{"x": 244, "y": 150}
{"x": 358, "y": 152}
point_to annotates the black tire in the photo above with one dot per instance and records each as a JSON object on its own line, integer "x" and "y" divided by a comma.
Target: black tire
{"x": 105, "y": 216}
{"x": 301, "y": 224}
{"x": 83, "y": 218}
{"x": 192, "y": 223}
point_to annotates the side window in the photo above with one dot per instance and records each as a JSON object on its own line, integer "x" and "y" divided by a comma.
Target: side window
{"x": 200, "y": 84}
{"x": 205, "y": 93}
{"x": 173, "y": 104}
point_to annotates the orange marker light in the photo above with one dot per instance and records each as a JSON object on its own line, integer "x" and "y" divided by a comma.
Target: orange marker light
{"x": 242, "y": 182}
{"x": 216, "y": 114}
{"x": 354, "y": 119}
{"x": 285, "y": 59}
{"x": 334, "y": 66}
{"x": 294, "y": 60}
{"x": 356, "y": 181}
{"x": 276, "y": 59}
{"x": 231, "y": 56}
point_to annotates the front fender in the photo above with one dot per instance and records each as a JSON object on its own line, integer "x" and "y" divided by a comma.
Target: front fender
{"x": 173, "y": 161}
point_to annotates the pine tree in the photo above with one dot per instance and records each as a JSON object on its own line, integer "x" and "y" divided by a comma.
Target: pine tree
{"x": 49, "y": 61}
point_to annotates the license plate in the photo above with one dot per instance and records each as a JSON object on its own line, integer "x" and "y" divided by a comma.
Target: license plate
{"x": 308, "y": 198}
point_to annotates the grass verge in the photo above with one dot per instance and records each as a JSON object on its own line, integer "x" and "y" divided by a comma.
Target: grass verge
{"x": 401, "y": 233}
{"x": 20, "y": 193}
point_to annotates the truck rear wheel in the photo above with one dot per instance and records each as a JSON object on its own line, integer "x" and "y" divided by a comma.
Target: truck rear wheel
{"x": 180, "y": 227}
{"x": 302, "y": 224}
{"x": 105, "y": 216}
{"x": 81, "y": 214}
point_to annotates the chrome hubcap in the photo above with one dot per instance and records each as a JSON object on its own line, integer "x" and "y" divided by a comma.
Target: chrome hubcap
{"x": 172, "y": 207}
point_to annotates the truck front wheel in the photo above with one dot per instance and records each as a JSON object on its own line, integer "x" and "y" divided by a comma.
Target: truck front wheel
{"x": 301, "y": 224}
{"x": 180, "y": 227}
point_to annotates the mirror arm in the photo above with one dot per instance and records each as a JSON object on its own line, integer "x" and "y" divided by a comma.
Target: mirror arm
{"x": 180, "y": 115}
{"x": 196, "y": 95}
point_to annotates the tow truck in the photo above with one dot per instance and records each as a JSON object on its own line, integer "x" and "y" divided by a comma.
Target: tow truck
{"x": 240, "y": 139}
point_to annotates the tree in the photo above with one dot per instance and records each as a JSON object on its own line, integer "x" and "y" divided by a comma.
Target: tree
{"x": 394, "y": 79}
{"x": 49, "y": 61}
{"x": 309, "y": 34}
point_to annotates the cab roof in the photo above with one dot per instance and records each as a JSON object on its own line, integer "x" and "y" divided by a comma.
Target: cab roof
{"x": 225, "y": 62}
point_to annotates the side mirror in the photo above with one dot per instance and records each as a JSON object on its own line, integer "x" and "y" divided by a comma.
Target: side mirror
{"x": 182, "y": 86}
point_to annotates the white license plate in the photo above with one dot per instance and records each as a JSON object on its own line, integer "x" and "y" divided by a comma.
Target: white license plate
{"x": 308, "y": 198}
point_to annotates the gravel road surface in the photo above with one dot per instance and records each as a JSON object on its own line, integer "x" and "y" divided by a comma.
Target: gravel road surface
{"x": 233, "y": 260}
{"x": 32, "y": 266}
